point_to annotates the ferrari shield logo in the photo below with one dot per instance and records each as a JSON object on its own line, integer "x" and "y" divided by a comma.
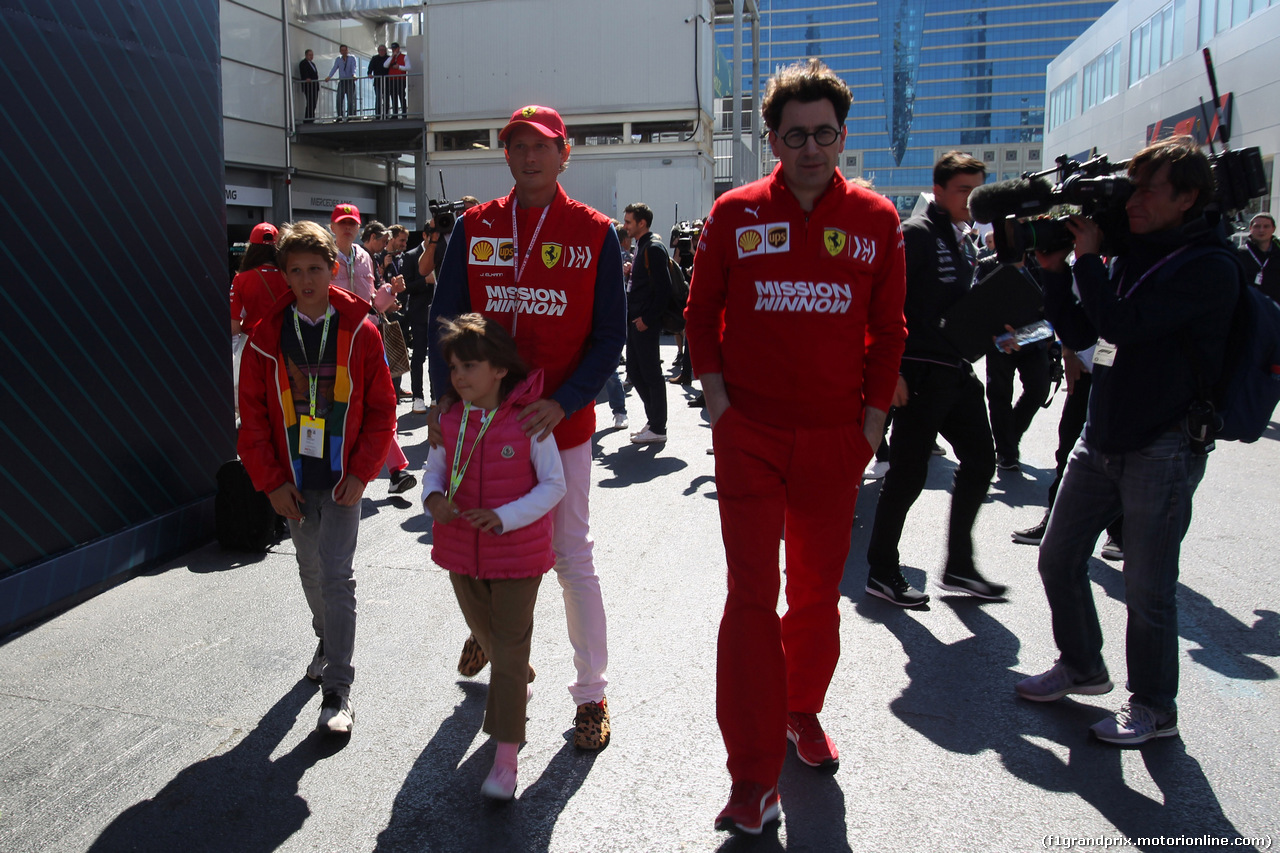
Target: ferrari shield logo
{"x": 551, "y": 254}
{"x": 834, "y": 239}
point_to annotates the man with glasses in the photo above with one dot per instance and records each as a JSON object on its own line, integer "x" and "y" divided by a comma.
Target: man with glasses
{"x": 795, "y": 329}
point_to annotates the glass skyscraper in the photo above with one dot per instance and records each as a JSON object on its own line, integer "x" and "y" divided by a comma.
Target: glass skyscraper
{"x": 927, "y": 77}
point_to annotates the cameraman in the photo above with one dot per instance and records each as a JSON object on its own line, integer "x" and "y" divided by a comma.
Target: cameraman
{"x": 1160, "y": 318}
{"x": 420, "y": 265}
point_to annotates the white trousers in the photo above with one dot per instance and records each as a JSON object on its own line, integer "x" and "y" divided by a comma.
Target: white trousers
{"x": 576, "y": 571}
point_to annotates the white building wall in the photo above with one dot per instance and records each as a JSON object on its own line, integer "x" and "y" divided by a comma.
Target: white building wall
{"x": 1244, "y": 64}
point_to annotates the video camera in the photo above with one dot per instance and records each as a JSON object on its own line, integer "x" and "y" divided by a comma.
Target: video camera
{"x": 444, "y": 212}
{"x": 1101, "y": 195}
{"x": 685, "y": 236}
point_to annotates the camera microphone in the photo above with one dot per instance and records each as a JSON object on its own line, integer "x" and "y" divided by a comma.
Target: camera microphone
{"x": 1020, "y": 197}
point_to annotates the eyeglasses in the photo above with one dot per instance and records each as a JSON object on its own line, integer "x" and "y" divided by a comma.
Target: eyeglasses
{"x": 796, "y": 138}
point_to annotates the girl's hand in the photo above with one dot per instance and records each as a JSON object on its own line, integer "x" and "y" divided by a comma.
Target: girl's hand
{"x": 484, "y": 520}
{"x": 440, "y": 508}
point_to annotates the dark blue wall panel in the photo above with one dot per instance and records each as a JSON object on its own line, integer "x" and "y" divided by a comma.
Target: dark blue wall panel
{"x": 115, "y": 391}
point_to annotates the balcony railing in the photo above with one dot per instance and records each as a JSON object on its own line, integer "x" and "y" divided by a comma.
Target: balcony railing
{"x": 388, "y": 98}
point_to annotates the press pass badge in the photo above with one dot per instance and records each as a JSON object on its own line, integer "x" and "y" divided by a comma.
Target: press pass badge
{"x": 1104, "y": 354}
{"x": 1257, "y": 279}
{"x": 311, "y": 437}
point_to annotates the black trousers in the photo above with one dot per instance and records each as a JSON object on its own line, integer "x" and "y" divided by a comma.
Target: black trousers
{"x": 644, "y": 365}
{"x": 1009, "y": 420}
{"x": 310, "y": 91}
{"x": 418, "y": 342}
{"x": 946, "y": 400}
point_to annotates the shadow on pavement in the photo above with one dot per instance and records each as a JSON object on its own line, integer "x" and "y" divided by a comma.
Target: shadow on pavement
{"x": 239, "y": 800}
{"x": 440, "y": 807}
{"x": 961, "y": 698}
{"x": 636, "y": 463}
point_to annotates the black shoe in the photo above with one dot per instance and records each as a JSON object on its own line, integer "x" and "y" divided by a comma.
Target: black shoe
{"x": 698, "y": 402}
{"x": 1007, "y": 463}
{"x": 974, "y": 586}
{"x": 896, "y": 590}
{"x": 1112, "y": 549}
{"x": 1032, "y": 535}
{"x": 402, "y": 481}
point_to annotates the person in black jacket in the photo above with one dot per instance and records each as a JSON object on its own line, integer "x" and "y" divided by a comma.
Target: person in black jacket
{"x": 648, "y": 292}
{"x": 1260, "y": 257}
{"x": 378, "y": 70}
{"x": 1160, "y": 319}
{"x": 419, "y": 266}
{"x": 310, "y": 77}
{"x": 937, "y": 393}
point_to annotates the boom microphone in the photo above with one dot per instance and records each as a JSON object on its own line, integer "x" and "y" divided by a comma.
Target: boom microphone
{"x": 1020, "y": 197}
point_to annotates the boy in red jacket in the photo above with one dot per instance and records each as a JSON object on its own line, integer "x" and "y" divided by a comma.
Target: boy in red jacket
{"x": 317, "y": 413}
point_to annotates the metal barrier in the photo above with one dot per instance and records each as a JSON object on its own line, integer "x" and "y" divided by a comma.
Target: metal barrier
{"x": 362, "y": 98}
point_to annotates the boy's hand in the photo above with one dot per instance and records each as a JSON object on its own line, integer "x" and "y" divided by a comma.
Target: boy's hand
{"x": 484, "y": 520}
{"x": 285, "y": 500}
{"x": 440, "y": 508}
{"x": 350, "y": 491}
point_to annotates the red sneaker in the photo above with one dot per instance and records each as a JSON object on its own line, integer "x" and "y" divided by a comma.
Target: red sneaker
{"x": 751, "y": 806}
{"x": 813, "y": 747}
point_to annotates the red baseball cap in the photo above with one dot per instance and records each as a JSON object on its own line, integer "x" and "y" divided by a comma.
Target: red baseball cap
{"x": 544, "y": 120}
{"x": 264, "y": 233}
{"x": 345, "y": 211}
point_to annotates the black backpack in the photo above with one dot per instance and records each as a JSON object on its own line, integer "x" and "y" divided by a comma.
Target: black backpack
{"x": 673, "y": 313}
{"x": 243, "y": 516}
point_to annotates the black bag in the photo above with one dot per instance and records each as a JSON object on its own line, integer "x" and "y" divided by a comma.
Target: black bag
{"x": 673, "y": 314}
{"x": 243, "y": 516}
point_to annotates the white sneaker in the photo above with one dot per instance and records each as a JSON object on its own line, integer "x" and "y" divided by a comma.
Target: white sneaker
{"x": 648, "y": 437}
{"x": 620, "y": 421}
{"x": 644, "y": 428}
{"x": 876, "y": 470}
{"x": 336, "y": 715}
{"x": 419, "y": 406}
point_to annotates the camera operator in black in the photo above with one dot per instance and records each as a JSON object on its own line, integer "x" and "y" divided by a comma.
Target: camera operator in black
{"x": 420, "y": 265}
{"x": 937, "y": 393}
{"x": 1031, "y": 362}
{"x": 1161, "y": 317}
{"x": 648, "y": 292}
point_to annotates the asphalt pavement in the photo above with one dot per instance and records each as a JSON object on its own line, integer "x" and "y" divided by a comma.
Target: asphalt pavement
{"x": 170, "y": 713}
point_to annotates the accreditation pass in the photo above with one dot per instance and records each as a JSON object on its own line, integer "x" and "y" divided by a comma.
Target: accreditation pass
{"x": 1104, "y": 354}
{"x": 311, "y": 437}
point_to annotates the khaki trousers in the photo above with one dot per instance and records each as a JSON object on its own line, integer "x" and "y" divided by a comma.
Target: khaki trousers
{"x": 500, "y": 616}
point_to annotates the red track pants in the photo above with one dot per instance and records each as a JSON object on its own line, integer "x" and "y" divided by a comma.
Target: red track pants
{"x": 805, "y": 478}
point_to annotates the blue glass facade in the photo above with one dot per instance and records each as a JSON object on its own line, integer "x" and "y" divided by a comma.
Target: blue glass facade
{"x": 926, "y": 76}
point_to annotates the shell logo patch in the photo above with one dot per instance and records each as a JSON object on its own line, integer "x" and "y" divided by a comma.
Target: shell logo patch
{"x": 528, "y": 111}
{"x": 482, "y": 251}
{"x": 551, "y": 254}
{"x": 749, "y": 241}
{"x": 508, "y": 451}
{"x": 834, "y": 240}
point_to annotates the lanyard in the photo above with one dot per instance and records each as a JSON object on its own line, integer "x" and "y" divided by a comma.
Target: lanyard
{"x": 1157, "y": 265}
{"x": 313, "y": 374}
{"x": 1262, "y": 262}
{"x": 351, "y": 267}
{"x": 515, "y": 239}
{"x": 457, "y": 473}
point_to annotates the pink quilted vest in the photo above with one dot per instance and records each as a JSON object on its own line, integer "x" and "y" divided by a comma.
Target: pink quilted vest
{"x": 500, "y": 471}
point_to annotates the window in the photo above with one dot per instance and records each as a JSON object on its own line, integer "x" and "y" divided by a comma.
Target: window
{"x": 1062, "y": 103}
{"x": 462, "y": 140}
{"x": 1011, "y": 155}
{"x": 595, "y": 134}
{"x": 1157, "y": 41}
{"x": 1219, "y": 15}
{"x": 664, "y": 131}
{"x": 1102, "y": 77}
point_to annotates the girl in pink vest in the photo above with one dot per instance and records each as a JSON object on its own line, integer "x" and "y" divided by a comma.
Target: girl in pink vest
{"x": 491, "y": 489}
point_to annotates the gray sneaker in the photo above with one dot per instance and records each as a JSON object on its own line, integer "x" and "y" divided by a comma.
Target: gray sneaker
{"x": 1060, "y": 681}
{"x": 1135, "y": 724}
{"x": 315, "y": 670}
{"x": 336, "y": 715}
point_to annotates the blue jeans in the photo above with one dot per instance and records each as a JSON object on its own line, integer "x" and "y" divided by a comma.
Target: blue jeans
{"x": 617, "y": 394}
{"x": 1153, "y": 488}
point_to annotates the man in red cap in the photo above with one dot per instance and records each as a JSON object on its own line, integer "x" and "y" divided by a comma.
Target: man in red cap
{"x": 549, "y": 269}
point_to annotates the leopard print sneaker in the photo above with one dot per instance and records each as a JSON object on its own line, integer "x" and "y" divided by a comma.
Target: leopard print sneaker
{"x": 591, "y": 725}
{"x": 473, "y": 657}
